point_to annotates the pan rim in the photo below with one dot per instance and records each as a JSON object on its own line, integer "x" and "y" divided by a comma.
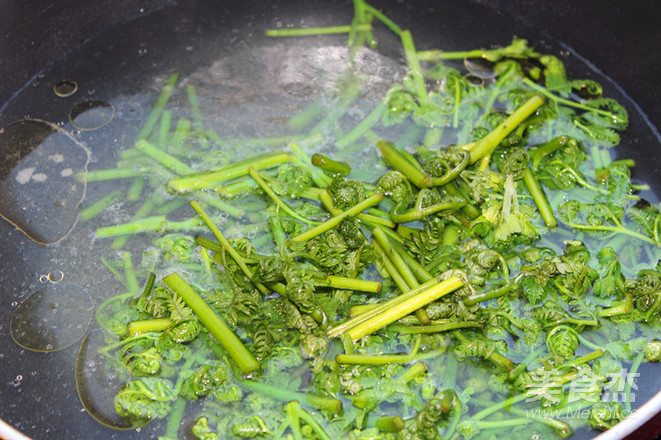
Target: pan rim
{"x": 629, "y": 425}
{"x": 8, "y": 432}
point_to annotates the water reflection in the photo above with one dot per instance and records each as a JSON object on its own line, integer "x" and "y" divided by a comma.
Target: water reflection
{"x": 40, "y": 179}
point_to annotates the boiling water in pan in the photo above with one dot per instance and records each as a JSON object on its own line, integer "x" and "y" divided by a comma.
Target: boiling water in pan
{"x": 82, "y": 112}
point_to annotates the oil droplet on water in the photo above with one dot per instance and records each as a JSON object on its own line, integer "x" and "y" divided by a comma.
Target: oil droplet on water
{"x": 91, "y": 115}
{"x": 55, "y": 277}
{"x": 52, "y": 277}
{"x": 65, "y": 88}
{"x": 52, "y": 318}
{"x": 97, "y": 387}
{"x": 42, "y": 164}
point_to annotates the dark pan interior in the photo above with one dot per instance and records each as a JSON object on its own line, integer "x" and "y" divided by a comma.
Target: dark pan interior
{"x": 621, "y": 39}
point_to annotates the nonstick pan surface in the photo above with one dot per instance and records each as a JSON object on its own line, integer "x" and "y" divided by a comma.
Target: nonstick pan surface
{"x": 120, "y": 53}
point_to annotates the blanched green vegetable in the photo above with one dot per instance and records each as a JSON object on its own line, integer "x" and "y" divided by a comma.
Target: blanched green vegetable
{"x": 489, "y": 261}
{"x": 145, "y": 399}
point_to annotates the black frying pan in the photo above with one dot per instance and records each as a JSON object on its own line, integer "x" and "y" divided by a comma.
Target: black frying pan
{"x": 99, "y": 44}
